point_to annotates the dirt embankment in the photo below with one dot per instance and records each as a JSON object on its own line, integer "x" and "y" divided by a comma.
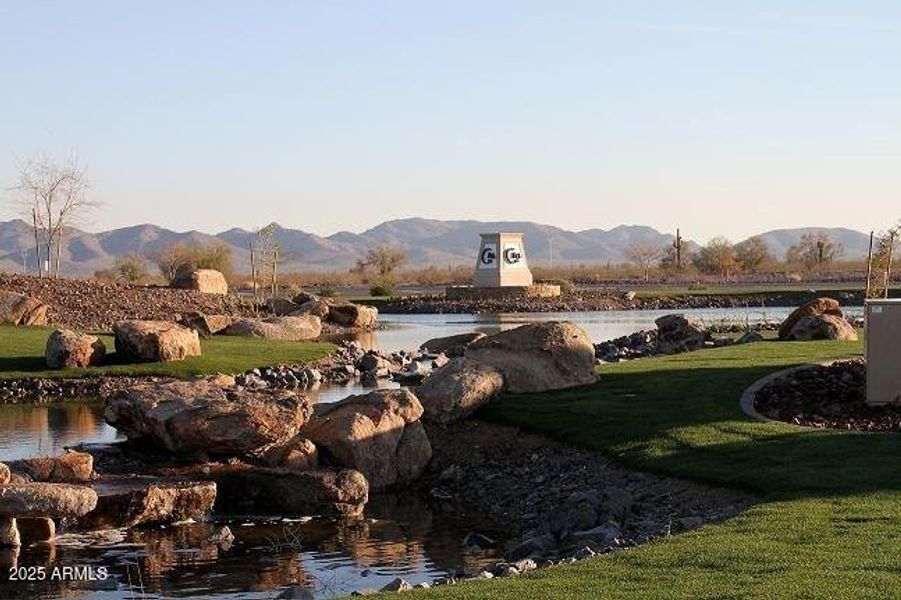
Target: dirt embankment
{"x": 93, "y": 305}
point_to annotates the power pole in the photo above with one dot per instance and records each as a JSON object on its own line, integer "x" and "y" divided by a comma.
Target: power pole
{"x": 888, "y": 266}
{"x": 866, "y": 293}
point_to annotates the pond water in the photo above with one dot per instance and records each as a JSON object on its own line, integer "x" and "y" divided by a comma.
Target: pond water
{"x": 402, "y": 536}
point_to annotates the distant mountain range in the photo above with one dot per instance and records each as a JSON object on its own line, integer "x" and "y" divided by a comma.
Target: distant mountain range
{"x": 426, "y": 241}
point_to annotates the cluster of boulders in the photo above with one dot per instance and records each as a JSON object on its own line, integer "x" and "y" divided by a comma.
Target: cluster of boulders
{"x": 136, "y": 341}
{"x": 329, "y": 310}
{"x": 821, "y": 319}
{"x": 674, "y": 334}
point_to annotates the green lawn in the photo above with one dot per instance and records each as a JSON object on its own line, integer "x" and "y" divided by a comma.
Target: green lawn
{"x": 829, "y": 521}
{"x": 22, "y": 355}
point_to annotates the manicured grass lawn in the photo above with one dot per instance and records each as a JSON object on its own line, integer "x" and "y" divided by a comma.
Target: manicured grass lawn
{"x": 22, "y": 355}
{"x": 829, "y": 521}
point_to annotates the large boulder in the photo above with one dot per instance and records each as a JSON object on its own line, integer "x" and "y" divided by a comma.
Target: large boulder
{"x": 264, "y": 491}
{"x": 19, "y": 309}
{"x": 207, "y": 281}
{"x": 822, "y": 327}
{"x": 353, "y": 315}
{"x": 55, "y": 500}
{"x": 132, "y": 502}
{"x": 820, "y": 306}
{"x": 538, "y": 356}
{"x": 451, "y": 345}
{"x": 4, "y": 474}
{"x": 155, "y": 341}
{"x": 298, "y": 328}
{"x": 201, "y": 416}
{"x": 71, "y": 467}
{"x": 69, "y": 349}
{"x": 378, "y": 434}
{"x": 458, "y": 389}
{"x": 678, "y": 333}
{"x": 206, "y": 325}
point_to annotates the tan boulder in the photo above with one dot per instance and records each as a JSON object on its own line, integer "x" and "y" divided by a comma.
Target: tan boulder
{"x": 56, "y": 500}
{"x": 71, "y": 467}
{"x": 451, "y": 345}
{"x": 155, "y": 341}
{"x": 199, "y": 415}
{"x": 820, "y": 306}
{"x": 353, "y": 315}
{"x": 678, "y": 333}
{"x": 458, "y": 389}
{"x": 538, "y": 356}
{"x": 207, "y": 281}
{"x": 295, "y": 328}
{"x": 366, "y": 432}
{"x": 4, "y": 474}
{"x": 19, "y": 309}
{"x": 69, "y": 349}
{"x": 822, "y": 327}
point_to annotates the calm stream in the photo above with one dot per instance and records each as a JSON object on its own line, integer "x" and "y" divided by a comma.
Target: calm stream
{"x": 401, "y": 536}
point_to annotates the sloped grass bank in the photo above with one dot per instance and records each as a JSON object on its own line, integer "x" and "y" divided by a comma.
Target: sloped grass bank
{"x": 22, "y": 356}
{"x": 829, "y": 521}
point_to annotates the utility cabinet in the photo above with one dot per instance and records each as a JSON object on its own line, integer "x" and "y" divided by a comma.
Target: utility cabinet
{"x": 883, "y": 350}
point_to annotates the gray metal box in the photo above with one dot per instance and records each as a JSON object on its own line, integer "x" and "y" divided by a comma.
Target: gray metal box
{"x": 883, "y": 349}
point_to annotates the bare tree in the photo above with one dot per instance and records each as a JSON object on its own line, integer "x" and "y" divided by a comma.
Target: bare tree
{"x": 814, "y": 251}
{"x": 643, "y": 256}
{"x": 55, "y": 197}
{"x": 265, "y": 254}
{"x": 384, "y": 260}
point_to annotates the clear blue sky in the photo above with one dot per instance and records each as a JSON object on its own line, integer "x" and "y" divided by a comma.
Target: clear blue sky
{"x": 717, "y": 116}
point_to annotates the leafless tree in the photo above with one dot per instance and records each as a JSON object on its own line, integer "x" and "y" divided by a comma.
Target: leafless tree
{"x": 55, "y": 197}
{"x": 643, "y": 256}
{"x": 265, "y": 255}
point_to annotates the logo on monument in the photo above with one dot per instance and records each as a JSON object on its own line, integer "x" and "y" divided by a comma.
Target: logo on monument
{"x": 512, "y": 254}
{"x": 488, "y": 256}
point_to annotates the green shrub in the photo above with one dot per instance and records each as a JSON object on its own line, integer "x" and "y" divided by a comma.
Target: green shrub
{"x": 382, "y": 288}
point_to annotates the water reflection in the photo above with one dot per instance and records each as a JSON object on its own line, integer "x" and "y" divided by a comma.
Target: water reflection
{"x": 401, "y": 537}
{"x": 45, "y": 430}
{"x": 404, "y": 332}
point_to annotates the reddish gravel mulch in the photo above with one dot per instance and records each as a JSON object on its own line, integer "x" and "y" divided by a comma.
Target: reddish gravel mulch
{"x": 93, "y": 305}
{"x": 827, "y": 397}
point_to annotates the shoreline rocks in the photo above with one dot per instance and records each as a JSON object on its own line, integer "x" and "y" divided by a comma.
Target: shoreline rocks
{"x": 821, "y": 319}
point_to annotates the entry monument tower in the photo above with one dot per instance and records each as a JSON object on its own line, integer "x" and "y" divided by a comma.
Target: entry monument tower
{"x": 502, "y": 272}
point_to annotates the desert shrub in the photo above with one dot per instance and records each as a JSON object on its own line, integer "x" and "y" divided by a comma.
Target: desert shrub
{"x": 381, "y": 288}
